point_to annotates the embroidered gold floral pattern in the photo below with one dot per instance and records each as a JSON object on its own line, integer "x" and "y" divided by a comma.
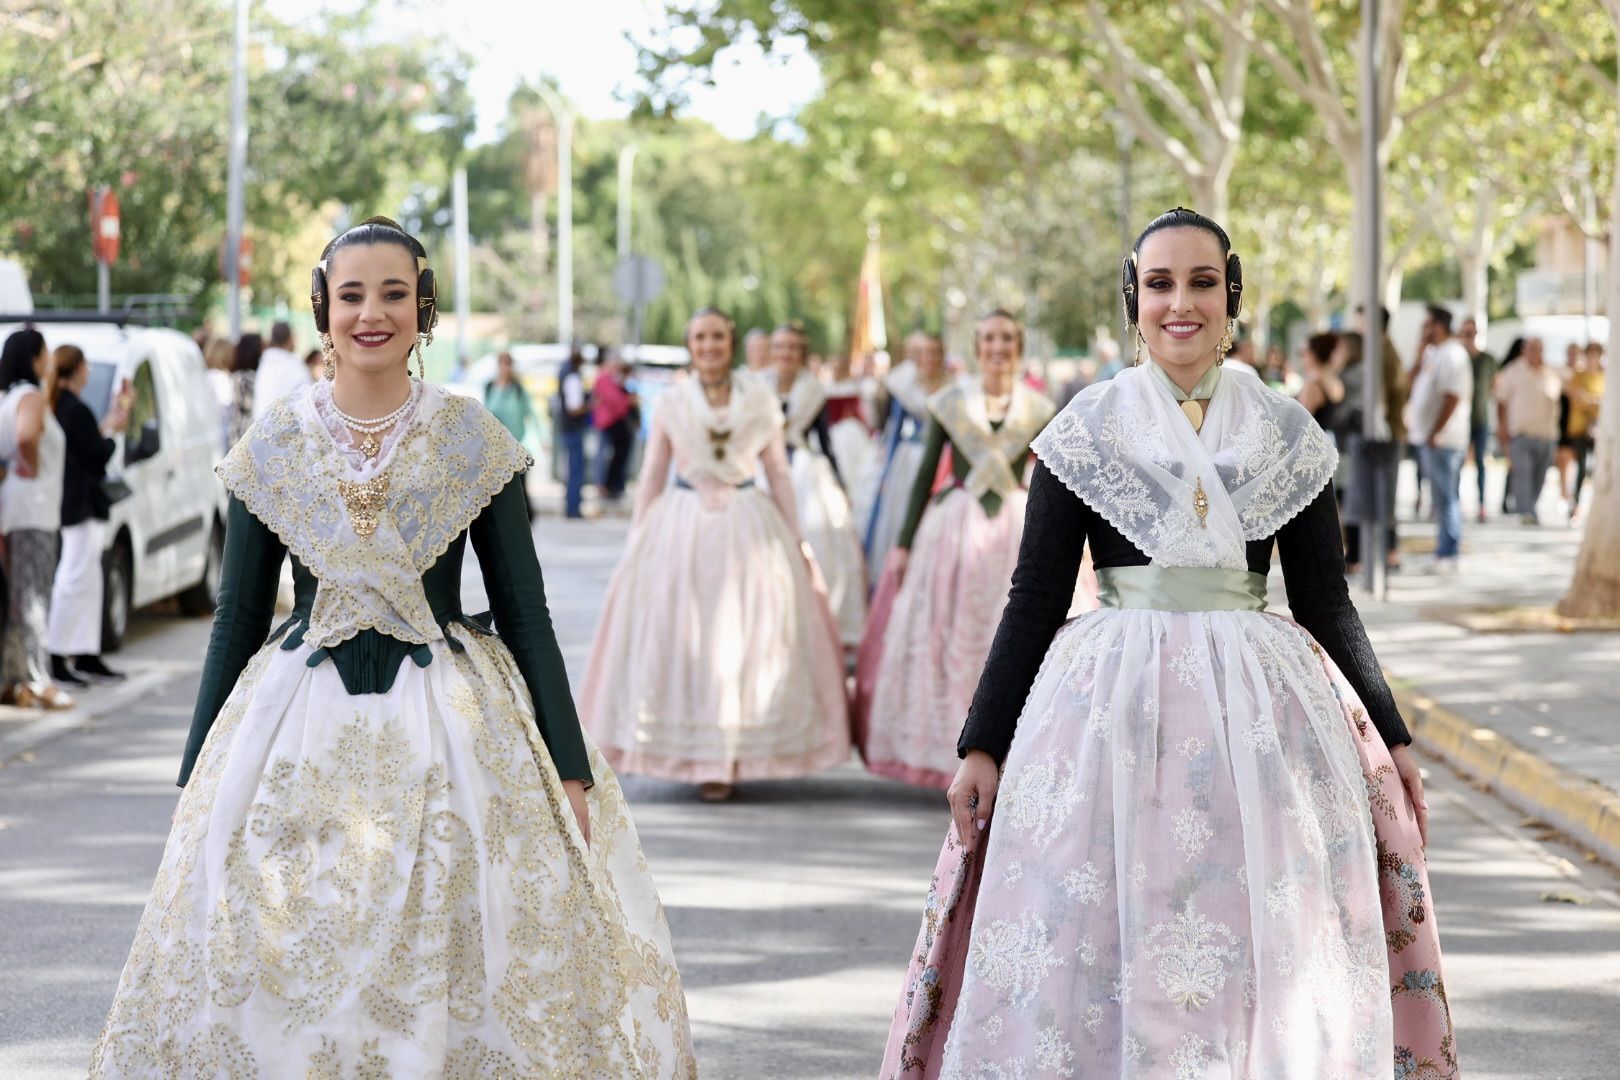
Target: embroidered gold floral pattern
{"x": 356, "y": 884}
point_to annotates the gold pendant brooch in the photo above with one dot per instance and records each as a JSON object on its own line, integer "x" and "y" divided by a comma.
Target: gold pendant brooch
{"x": 1194, "y": 412}
{"x": 1201, "y": 504}
{"x": 365, "y": 502}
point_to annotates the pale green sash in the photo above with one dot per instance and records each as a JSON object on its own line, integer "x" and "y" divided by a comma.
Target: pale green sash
{"x": 1180, "y": 588}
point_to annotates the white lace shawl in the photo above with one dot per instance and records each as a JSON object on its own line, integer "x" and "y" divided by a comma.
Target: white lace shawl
{"x": 753, "y": 418}
{"x": 960, "y": 409}
{"x": 1125, "y": 448}
{"x": 806, "y": 398}
{"x": 453, "y": 458}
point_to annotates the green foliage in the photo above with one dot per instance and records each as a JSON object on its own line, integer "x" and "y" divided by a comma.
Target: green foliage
{"x": 135, "y": 94}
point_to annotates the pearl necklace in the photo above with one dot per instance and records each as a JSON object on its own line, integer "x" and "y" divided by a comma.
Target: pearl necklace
{"x": 369, "y": 446}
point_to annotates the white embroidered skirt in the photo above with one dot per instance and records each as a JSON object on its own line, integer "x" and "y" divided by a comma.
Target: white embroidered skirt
{"x": 395, "y": 885}
{"x": 938, "y": 636}
{"x": 827, "y": 522}
{"x": 1181, "y": 878}
{"x": 715, "y": 658}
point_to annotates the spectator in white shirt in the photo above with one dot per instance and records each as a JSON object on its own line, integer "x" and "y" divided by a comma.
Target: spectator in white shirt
{"x": 281, "y": 371}
{"x": 1527, "y": 416}
{"x": 1437, "y": 422}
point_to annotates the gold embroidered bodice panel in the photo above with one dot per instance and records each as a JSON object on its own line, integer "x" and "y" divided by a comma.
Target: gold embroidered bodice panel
{"x": 369, "y": 535}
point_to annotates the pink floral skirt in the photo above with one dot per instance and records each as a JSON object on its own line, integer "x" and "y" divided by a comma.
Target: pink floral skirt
{"x": 1202, "y": 865}
{"x": 926, "y": 642}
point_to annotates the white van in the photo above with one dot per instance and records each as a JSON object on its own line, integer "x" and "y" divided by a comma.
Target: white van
{"x": 166, "y": 539}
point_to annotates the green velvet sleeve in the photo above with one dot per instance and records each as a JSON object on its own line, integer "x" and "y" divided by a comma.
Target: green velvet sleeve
{"x": 517, "y": 598}
{"x": 249, "y": 577}
{"x": 933, "y": 446}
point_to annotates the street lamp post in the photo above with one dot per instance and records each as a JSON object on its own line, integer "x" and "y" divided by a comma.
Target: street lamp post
{"x": 627, "y": 179}
{"x": 1124, "y": 139}
{"x": 1373, "y": 531}
{"x": 564, "y": 118}
{"x": 463, "y": 249}
{"x": 235, "y": 208}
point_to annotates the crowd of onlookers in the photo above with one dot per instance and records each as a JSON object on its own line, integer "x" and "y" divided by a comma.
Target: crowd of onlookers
{"x": 609, "y": 406}
{"x": 54, "y": 502}
{"x": 248, "y": 375}
{"x": 1442, "y": 411}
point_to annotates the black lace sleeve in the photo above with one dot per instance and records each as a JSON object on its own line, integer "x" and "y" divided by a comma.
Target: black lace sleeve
{"x": 1042, "y": 591}
{"x": 1312, "y": 556}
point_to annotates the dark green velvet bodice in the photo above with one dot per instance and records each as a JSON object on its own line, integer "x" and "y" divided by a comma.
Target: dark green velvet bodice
{"x": 369, "y": 662}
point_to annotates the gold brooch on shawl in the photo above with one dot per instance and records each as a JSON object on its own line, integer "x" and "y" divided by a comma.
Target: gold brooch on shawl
{"x": 365, "y": 502}
{"x": 717, "y": 442}
{"x": 1201, "y": 504}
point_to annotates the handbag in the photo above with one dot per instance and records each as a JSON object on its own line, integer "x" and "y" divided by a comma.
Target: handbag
{"x": 115, "y": 489}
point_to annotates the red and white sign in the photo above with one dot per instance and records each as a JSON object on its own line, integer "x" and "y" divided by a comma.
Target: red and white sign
{"x": 104, "y": 228}
{"x": 244, "y": 261}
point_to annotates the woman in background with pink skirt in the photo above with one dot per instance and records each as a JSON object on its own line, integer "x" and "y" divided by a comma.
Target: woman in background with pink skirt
{"x": 920, "y": 659}
{"x": 716, "y": 659}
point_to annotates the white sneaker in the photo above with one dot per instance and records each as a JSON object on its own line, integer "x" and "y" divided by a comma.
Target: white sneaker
{"x": 1446, "y": 567}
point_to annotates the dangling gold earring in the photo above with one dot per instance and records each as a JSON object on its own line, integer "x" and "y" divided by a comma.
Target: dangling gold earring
{"x": 1226, "y": 342}
{"x": 1136, "y": 361}
{"x": 328, "y": 356}
{"x": 421, "y": 369}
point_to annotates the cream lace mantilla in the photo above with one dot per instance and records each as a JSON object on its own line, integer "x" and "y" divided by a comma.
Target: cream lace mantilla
{"x": 805, "y": 400}
{"x": 1125, "y": 448}
{"x": 960, "y": 410}
{"x": 906, "y": 388}
{"x": 452, "y": 459}
{"x": 721, "y": 446}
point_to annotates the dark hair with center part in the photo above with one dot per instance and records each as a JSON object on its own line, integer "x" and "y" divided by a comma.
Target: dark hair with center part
{"x": 374, "y": 230}
{"x": 998, "y": 313}
{"x": 1182, "y": 218}
{"x": 731, "y": 327}
{"x": 1321, "y": 347}
{"x": 22, "y": 348}
{"x": 248, "y": 351}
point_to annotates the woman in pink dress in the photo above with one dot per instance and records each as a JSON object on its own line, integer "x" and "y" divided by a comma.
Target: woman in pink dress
{"x": 921, "y": 659}
{"x": 716, "y": 659}
{"x": 1206, "y": 858}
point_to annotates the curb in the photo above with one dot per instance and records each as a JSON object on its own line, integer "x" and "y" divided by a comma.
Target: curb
{"x": 1575, "y": 804}
{"x": 32, "y": 734}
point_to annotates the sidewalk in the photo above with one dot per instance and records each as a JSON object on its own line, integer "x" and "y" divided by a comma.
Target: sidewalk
{"x": 1534, "y": 715}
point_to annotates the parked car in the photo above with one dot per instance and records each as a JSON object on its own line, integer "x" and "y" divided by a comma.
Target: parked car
{"x": 167, "y": 538}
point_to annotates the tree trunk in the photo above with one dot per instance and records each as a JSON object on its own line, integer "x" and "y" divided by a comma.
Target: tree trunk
{"x": 1475, "y": 267}
{"x": 1595, "y": 590}
{"x": 1211, "y": 196}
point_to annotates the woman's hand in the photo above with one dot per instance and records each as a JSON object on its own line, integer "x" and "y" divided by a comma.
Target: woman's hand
{"x": 582, "y": 812}
{"x": 1412, "y": 779}
{"x": 973, "y": 795}
{"x": 117, "y": 418}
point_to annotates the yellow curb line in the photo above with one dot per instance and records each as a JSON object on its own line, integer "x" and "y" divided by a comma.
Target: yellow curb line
{"x": 1577, "y": 804}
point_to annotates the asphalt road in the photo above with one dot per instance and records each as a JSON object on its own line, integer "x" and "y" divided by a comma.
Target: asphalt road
{"x": 793, "y": 907}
